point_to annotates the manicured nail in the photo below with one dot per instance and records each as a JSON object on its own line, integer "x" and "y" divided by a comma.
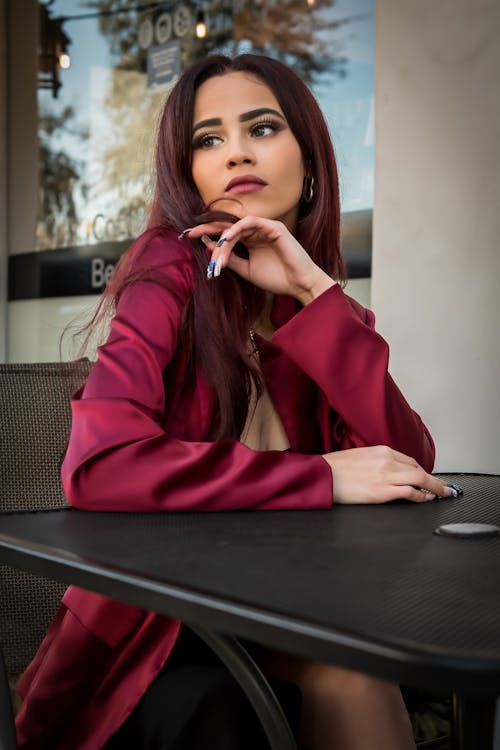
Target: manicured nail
{"x": 217, "y": 269}
{"x": 210, "y": 269}
{"x": 456, "y": 490}
{"x": 221, "y": 241}
{"x": 206, "y": 240}
{"x": 183, "y": 233}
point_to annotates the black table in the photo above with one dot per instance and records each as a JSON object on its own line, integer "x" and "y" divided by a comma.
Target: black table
{"x": 370, "y": 588}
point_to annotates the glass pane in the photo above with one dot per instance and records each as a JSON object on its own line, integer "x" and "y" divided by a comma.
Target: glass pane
{"x": 97, "y": 119}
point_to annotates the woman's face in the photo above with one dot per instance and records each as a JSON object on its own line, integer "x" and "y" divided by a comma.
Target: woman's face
{"x": 244, "y": 149}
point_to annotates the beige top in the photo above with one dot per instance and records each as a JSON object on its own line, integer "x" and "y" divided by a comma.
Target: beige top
{"x": 263, "y": 430}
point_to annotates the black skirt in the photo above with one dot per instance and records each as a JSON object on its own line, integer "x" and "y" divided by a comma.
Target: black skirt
{"x": 196, "y": 704}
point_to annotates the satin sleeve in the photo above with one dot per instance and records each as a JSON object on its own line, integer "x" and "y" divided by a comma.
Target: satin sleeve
{"x": 333, "y": 340}
{"x": 120, "y": 457}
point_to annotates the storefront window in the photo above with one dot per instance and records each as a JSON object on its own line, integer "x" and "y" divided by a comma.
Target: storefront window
{"x": 104, "y": 70}
{"x": 97, "y": 120}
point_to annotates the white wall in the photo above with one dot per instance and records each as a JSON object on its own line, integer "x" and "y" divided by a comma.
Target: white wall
{"x": 42, "y": 330}
{"x": 436, "y": 256}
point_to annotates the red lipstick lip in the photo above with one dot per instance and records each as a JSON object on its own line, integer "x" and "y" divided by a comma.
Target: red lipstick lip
{"x": 245, "y": 179}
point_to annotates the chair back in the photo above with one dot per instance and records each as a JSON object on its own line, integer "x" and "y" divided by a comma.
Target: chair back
{"x": 35, "y": 419}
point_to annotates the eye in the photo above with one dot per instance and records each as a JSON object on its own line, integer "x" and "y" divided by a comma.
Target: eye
{"x": 261, "y": 129}
{"x": 206, "y": 141}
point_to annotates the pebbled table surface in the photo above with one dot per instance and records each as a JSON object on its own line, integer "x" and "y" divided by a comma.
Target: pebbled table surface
{"x": 369, "y": 587}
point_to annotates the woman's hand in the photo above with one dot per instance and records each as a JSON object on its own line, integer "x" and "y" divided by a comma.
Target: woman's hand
{"x": 379, "y": 474}
{"x": 277, "y": 263}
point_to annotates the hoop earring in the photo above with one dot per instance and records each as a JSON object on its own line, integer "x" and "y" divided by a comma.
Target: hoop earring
{"x": 308, "y": 191}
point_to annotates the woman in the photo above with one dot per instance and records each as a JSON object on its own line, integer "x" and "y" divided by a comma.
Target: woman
{"x": 236, "y": 375}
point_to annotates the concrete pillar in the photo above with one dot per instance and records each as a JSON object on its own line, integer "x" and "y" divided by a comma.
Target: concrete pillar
{"x": 436, "y": 234}
{"x": 23, "y": 124}
{"x": 3, "y": 180}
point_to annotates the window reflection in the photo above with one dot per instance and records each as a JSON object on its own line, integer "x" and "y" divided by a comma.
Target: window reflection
{"x": 96, "y": 137}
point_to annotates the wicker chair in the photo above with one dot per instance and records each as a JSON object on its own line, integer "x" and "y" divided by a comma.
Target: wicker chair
{"x": 35, "y": 419}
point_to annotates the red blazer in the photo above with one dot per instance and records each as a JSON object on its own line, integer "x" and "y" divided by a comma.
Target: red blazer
{"x": 135, "y": 448}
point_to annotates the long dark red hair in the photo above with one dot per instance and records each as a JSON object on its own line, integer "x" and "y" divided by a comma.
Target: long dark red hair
{"x": 219, "y": 315}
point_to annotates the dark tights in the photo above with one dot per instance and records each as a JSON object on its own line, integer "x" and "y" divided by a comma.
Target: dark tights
{"x": 195, "y": 704}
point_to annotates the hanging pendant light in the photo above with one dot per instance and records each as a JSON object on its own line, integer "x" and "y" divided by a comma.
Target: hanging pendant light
{"x": 52, "y": 50}
{"x": 64, "y": 61}
{"x": 201, "y": 27}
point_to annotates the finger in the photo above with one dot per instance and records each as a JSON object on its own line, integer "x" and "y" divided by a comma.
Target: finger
{"x": 223, "y": 257}
{"x": 213, "y": 268}
{"x": 414, "y": 495}
{"x": 217, "y": 258}
{"x": 420, "y": 479}
{"x": 221, "y": 253}
{"x": 266, "y": 229}
{"x": 210, "y": 228}
{"x": 239, "y": 265}
{"x": 215, "y": 264}
{"x": 209, "y": 244}
{"x": 427, "y": 482}
{"x": 241, "y": 227}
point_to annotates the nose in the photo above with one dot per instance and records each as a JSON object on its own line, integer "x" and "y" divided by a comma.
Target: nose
{"x": 238, "y": 153}
{"x": 234, "y": 161}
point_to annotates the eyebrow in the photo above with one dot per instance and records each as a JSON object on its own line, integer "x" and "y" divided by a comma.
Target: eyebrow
{"x": 258, "y": 113}
{"x": 252, "y": 114}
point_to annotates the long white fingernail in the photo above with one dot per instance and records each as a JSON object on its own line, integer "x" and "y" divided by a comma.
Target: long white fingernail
{"x": 217, "y": 269}
{"x": 206, "y": 240}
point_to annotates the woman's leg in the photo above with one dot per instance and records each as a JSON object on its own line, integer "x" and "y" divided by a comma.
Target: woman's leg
{"x": 199, "y": 706}
{"x": 344, "y": 710}
{"x": 192, "y": 707}
{"x": 195, "y": 704}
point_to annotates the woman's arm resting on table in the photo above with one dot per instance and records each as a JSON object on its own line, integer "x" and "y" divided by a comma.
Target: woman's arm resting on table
{"x": 386, "y": 450}
{"x": 333, "y": 340}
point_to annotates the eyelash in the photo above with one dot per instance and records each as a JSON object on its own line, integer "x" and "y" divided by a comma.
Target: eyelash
{"x": 201, "y": 140}
{"x": 273, "y": 124}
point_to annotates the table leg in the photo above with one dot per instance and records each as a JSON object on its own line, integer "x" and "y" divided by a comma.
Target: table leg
{"x": 473, "y": 722}
{"x": 8, "y": 739}
{"x": 255, "y": 686}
